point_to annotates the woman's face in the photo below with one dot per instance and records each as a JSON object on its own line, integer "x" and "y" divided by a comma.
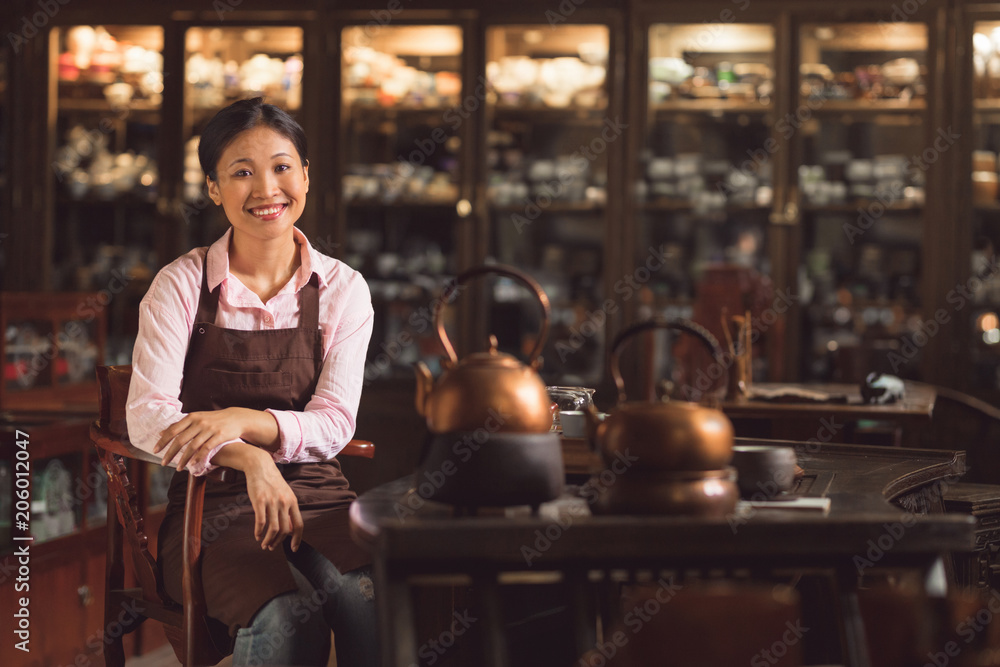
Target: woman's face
{"x": 261, "y": 184}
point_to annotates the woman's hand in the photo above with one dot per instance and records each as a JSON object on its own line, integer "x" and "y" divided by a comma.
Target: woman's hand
{"x": 198, "y": 433}
{"x": 275, "y": 506}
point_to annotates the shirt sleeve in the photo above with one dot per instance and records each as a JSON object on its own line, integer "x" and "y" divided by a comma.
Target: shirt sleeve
{"x": 328, "y": 421}
{"x": 165, "y": 320}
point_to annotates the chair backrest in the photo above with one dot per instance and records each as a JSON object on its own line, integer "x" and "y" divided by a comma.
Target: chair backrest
{"x": 110, "y": 436}
{"x": 964, "y": 422}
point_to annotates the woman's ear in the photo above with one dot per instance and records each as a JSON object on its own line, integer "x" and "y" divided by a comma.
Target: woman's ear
{"x": 305, "y": 174}
{"x": 213, "y": 190}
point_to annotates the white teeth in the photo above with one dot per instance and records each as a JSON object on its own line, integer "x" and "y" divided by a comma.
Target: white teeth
{"x": 261, "y": 212}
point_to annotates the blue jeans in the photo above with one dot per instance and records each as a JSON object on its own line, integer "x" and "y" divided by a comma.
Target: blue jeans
{"x": 293, "y": 629}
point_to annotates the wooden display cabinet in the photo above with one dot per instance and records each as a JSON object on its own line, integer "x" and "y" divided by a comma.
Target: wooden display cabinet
{"x": 64, "y": 579}
{"x": 50, "y": 347}
{"x": 781, "y": 138}
{"x": 67, "y": 520}
{"x": 48, "y": 399}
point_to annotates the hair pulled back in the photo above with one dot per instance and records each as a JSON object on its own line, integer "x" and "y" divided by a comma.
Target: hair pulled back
{"x": 241, "y": 116}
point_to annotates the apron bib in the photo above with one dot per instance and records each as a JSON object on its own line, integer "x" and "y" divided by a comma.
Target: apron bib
{"x": 275, "y": 369}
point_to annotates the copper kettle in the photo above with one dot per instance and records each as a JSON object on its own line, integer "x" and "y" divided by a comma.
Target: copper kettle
{"x": 668, "y": 435}
{"x": 490, "y": 419}
{"x": 486, "y": 387}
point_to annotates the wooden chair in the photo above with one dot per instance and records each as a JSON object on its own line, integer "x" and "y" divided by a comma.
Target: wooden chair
{"x": 187, "y": 625}
{"x": 701, "y": 624}
{"x": 964, "y": 422}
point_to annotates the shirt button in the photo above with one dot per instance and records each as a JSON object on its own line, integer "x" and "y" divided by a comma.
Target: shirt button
{"x": 267, "y": 319}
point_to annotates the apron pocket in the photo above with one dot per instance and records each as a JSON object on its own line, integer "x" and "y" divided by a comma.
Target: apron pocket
{"x": 257, "y": 391}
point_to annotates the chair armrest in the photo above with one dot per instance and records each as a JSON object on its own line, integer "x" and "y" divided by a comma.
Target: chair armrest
{"x": 363, "y": 448}
{"x": 104, "y": 439}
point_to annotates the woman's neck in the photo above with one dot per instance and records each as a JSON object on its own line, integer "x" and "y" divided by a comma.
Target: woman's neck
{"x": 264, "y": 266}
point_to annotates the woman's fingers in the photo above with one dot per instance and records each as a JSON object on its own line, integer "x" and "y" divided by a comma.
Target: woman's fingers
{"x": 273, "y": 526}
{"x": 282, "y": 519}
{"x": 198, "y": 449}
{"x": 260, "y": 522}
{"x": 297, "y": 527}
{"x": 276, "y": 510}
{"x": 172, "y": 451}
{"x": 171, "y": 432}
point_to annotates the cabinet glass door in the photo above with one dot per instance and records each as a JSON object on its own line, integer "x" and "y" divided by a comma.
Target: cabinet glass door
{"x": 548, "y": 137}
{"x": 55, "y": 510}
{"x": 108, "y": 84}
{"x": 984, "y": 282}
{"x": 859, "y": 125}
{"x": 401, "y": 133}
{"x": 4, "y": 125}
{"x": 706, "y": 181}
{"x": 222, "y": 65}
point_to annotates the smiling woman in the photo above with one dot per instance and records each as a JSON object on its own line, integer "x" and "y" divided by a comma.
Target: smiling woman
{"x": 250, "y": 355}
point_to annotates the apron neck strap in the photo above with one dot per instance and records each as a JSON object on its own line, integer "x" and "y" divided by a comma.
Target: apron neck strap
{"x": 309, "y": 304}
{"x": 208, "y": 302}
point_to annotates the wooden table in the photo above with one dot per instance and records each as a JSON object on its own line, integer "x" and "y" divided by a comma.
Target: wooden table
{"x": 414, "y": 540}
{"x": 832, "y": 421}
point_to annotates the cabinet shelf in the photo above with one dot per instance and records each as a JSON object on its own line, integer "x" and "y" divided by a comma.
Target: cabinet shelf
{"x": 381, "y": 299}
{"x": 363, "y": 114}
{"x": 127, "y": 199}
{"x": 719, "y": 105}
{"x": 853, "y": 206}
{"x": 554, "y": 207}
{"x": 681, "y": 205}
{"x": 987, "y": 105}
{"x": 544, "y": 114}
{"x": 101, "y": 106}
{"x": 402, "y": 202}
{"x": 866, "y": 107}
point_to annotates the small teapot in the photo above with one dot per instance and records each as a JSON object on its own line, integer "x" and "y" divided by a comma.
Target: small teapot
{"x": 489, "y": 388}
{"x": 667, "y": 435}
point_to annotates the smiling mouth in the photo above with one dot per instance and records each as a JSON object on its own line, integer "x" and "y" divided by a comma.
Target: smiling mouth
{"x": 268, "y": 211}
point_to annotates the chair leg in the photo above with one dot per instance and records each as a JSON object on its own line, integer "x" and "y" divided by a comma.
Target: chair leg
{"x": 114, "y": 651}
{"x": 194, "y": 596}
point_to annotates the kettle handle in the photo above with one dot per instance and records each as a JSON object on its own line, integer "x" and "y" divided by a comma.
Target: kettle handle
{"x": 679, "y": 324}
{"x": 503, "y": 270}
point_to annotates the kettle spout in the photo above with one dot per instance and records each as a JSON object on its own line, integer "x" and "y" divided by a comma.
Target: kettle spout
{"x": 425, "y": 383}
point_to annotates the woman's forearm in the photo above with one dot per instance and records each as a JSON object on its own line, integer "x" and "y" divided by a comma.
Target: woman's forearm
{"x": 260, "y": 428}
{"x": 242, "y": 456}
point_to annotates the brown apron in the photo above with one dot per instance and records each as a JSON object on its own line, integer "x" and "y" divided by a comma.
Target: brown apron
{"x": 275, "y": 369}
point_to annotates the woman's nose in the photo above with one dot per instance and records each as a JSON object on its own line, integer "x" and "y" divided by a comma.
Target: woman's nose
{"x": 265, "y": 184}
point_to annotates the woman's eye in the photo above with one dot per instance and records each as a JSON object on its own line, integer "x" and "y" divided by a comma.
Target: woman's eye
{"x": 242, "y": 172}
{"x": 282, "y": 167}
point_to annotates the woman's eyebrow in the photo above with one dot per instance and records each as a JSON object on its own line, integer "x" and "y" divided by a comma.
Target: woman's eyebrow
{"x": 246, "y": 159}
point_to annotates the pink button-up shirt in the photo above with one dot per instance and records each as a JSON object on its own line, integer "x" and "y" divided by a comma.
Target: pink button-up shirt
{"x": 166, "y": 317}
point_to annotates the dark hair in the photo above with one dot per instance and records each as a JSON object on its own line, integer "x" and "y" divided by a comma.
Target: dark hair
{"x": 239, "y": 117}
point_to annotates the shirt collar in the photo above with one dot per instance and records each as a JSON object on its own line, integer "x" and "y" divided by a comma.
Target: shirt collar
{"x": 218, "y": 261}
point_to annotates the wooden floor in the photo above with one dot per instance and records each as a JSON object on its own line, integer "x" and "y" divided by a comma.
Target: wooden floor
{"x": 164, "y": 657}
{"x": 161, "y": 657}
